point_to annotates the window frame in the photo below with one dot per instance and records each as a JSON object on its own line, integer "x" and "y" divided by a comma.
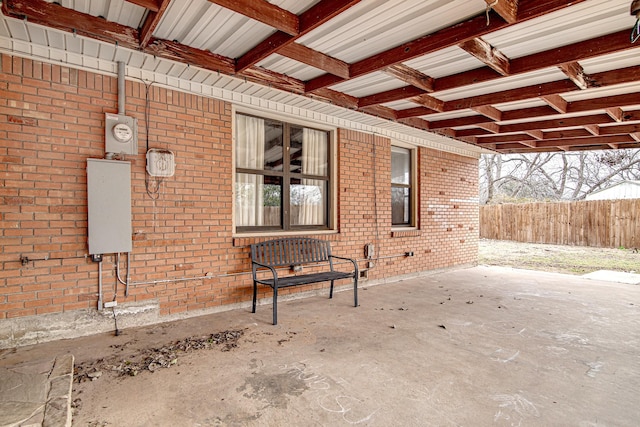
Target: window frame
{"x": 413, "y": 187}
{"x": 286, "y": 176}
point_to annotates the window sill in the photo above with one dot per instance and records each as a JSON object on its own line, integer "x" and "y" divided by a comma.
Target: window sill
{"x": 246, "y": 239}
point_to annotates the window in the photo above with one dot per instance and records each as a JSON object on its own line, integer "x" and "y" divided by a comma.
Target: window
{"x": 402, "y": 187}
{"x": 282, "y": 176}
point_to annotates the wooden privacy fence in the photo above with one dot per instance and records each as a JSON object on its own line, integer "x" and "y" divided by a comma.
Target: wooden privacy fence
{"x": 601, "y": 223}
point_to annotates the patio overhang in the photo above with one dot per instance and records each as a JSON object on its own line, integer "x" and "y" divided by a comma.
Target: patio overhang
{"x": 460, "y": 76}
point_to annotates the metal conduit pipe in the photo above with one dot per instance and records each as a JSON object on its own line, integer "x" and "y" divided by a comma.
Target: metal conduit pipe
{"x": 121, "y": 92}
{"x": 100, "y": 303}
{"x": 126, "y": 284}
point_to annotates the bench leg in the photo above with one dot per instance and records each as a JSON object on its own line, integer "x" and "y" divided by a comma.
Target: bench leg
{"x": 275, "y": 305}
{"x": 255, "y": 294}
{"x": 355, "y": 290}
{"x": 331, "y": 290}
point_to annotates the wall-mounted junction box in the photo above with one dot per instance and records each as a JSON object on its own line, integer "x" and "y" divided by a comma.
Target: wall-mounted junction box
{"x": 160, "y": 162}
{"x": 109, "y": 206}
{"x": 120, "y": 134}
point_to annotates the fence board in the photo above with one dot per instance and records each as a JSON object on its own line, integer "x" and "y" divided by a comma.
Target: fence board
{"x": 599, "y": 223}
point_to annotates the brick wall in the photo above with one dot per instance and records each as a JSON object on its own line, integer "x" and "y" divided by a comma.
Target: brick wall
{"x": 184, "y": 255}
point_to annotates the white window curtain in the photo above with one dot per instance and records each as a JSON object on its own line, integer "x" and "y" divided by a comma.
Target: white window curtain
{"x": 312, "y": 197}
{"x": 249, "y": 155}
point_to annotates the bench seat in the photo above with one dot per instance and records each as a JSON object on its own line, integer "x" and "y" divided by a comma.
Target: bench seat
{"x": 304, "y": 279}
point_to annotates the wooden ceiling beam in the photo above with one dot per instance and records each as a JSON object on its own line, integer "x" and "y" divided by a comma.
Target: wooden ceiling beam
{"x": 265, "y": 12}
{"x": 528, "y": 92}
{"x": 415, "y": 122}
{"x": 491, "y": 127}
{"x": 429, "y": 102}
{"x": 619, "y": 129}
{"x": 414, "y": 112}
{"x": 152, "y": 5}
{"x": 615, "y": 113}
{"x": 610, "y": 43}
{"x": 446, "y": 37}
{"x": 380, "y": 111}
{"x": 188, "y": 55}
{"x": 594, "y": 119}
{"x": 410, "y": 76}
{"x": 576, "y": 74}
{"x": 593, "y": 129}
{"x": 626, "y": 99}
{"x": 536, "y": 134}
{"x": 390, "y": 96}
{"x": 501, "y": 139}
{"x": 620, "y": 75}
{"x": 487, "y": 54}
{"x": 315, "y": 59}
{"x": 272, "y": 79}
{"x": 507, "y": 9}
{"x": 308, "y": 20}
{"x": 458, "y": 122}
{"x": 266, "y": 47}
{"x": 151, "y": 22}
{"x": 557, "y": 102}
{"x": 337, "y": 98}
{"x": 489, "y": 111}
{"x": 530, "y": 144}
{"x": 56, "y": 16}
{"x": 556, "y": 57}
{"x": 540, "y": 125}
{"x": 589, "y": 140}
{"x": 474, "y": 132}
{"x": 566, "y": 133}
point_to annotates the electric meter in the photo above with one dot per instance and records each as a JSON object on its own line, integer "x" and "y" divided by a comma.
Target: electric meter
{"x": 122, "y": 132}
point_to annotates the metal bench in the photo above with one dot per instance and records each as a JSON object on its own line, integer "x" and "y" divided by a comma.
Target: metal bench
{"x": 267, "y": 256}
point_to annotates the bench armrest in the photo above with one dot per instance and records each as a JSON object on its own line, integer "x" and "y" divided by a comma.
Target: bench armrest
{"x": 255, "y": 264}
{"x": 355, "y": 264}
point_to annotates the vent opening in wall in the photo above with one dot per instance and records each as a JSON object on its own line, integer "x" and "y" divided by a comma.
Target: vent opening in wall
{"x": 160, "y": 163}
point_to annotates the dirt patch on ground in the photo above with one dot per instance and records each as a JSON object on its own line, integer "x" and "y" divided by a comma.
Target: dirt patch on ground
{"x": 577, "y": 260}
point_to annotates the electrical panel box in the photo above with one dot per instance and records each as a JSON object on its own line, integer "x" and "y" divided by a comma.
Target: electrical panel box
{"x": 160, "y": 162}
{"x": 109, "y": 206}
{"x": 121, "y": 134}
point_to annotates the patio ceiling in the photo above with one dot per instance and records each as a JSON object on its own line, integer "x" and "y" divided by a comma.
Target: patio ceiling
{"x": 506, "y": 75}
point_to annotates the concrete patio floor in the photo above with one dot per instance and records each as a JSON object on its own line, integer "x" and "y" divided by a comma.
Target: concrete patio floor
{"x": 470, "y": 347}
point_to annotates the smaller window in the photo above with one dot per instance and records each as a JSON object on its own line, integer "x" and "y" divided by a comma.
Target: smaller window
{"x": 402, "y": 187}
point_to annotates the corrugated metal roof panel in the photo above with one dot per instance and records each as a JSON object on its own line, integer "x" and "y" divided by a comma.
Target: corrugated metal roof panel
{"x": 119, "y": 11}
{"x": 401, "y": 105}
{"x": 449, "y": 115}
{"x": 570, "y": 25}
{"x": 204, "y": 25}
{"x": 451, "y": 60}
{"x": 614, "y": 61}
{"x": 602, "y": 92}
{"x": 373, "y": 26}
{"x": 369, "y": 84}
{"x": 507, "y": 83}
{"x": 517, "y": 105}
{"x": 289, "y": 67}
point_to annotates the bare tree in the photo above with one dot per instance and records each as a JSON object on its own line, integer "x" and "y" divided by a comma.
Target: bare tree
{"x": 554, "y": 176}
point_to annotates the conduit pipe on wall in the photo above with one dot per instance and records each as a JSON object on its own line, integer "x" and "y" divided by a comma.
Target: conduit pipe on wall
{"x": 100, "y": 303}
{"x": 121, "y": 91}
{"x": 126, "y": 284}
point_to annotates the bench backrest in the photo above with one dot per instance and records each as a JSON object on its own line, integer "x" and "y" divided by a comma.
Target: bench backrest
{"x": 291, "y": 251}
